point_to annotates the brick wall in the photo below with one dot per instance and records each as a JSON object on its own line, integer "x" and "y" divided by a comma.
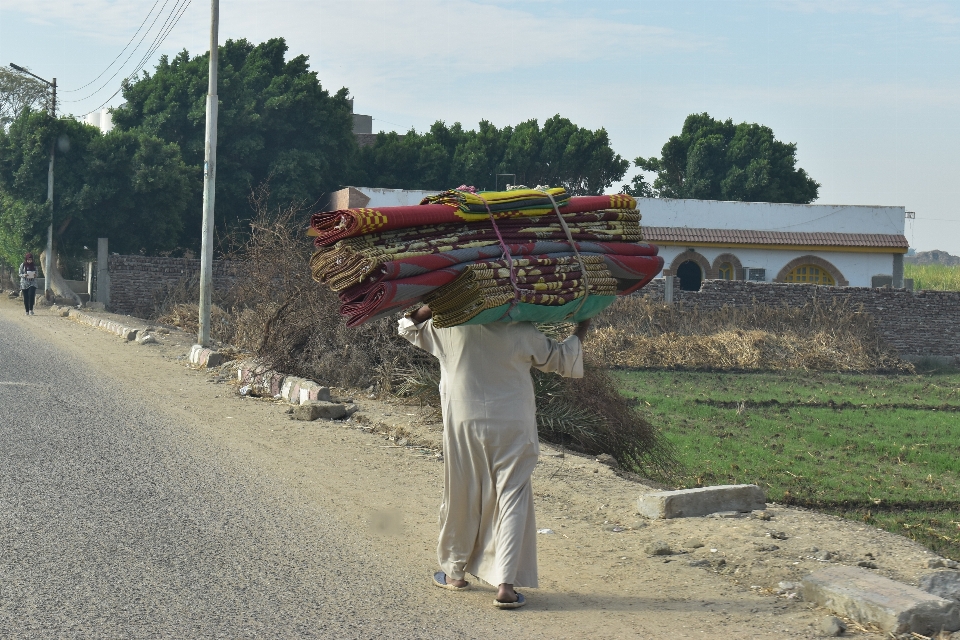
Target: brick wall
{"x": 916, "y": 323}
{"x": 137, "y": 281}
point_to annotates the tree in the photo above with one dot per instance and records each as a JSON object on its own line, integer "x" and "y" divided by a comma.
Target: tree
{"x": 718, "y": 160}
{"x": 128, "y": 186}
{"x": 19, "y": 92}
{"x": 558, "y": 154}
{"x": 276, "y": 123}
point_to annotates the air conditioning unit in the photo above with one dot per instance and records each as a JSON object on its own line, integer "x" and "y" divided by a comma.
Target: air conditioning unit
{"x": 756, "y": 275}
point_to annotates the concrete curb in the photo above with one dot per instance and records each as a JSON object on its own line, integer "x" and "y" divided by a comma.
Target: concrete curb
{"x": 205, "y": 357}
{"x": 111, "y": 326}
{"x": 293, "y": 389}
{"x": 690, "y": 503}
{"x": 872, "y": 599}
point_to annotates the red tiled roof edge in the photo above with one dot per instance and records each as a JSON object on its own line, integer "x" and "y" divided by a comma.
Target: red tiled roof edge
{"x": 749, "y": 236}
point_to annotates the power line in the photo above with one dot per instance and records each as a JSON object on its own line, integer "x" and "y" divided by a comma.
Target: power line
{"x": 161, "y": 36}
{"x": 142, "y": 38}
{"x": 121, "y": 51}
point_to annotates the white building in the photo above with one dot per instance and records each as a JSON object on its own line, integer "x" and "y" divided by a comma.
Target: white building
{"x": 842, "y": 245}
{"x": 100, "y": 119}
{"x": 374, "y": 197}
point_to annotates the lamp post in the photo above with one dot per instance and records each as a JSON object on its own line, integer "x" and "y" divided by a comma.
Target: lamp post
{"x": 209, "y": 182}
{"x": 47, "y": 267}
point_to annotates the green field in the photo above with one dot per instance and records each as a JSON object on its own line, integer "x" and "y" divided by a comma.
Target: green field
{"x": 933, "y": 276}
{"x": 882, "y": 449}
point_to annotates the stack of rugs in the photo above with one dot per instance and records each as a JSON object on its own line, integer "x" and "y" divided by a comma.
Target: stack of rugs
{"x": 480, "y": 257}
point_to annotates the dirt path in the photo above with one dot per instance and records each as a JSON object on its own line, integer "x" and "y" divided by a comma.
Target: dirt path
{"x": 597, "y": 580}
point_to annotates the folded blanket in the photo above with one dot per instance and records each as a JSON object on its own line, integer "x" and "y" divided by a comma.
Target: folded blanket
{"x": 343, "y": 266}
{"x": 370, "y": 300}
{"x": 630, "y": 219}
{"x": 461, "y": 305}
{"x": 331, "y": 226}
{"x": 404, "y": 267}
{"x": 374, "y": 299}
{"x": 517, "y": 199}
{"x": 573, "y": 311}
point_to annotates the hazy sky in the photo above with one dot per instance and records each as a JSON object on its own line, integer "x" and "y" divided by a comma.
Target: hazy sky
{"x": 869, "y": 90}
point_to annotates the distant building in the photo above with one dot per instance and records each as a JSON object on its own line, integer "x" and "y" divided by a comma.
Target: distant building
{"x": 100, "y": 119}
{"x": 842, "y": 245}
{"x": 373, "y": 197}
{"x": 363, "y": 128}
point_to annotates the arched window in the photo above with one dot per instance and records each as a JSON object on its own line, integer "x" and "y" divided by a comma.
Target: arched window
{"x": 690, "y": 276}
{"x": 725, "y": 271}
{"x": 810, "y": 274}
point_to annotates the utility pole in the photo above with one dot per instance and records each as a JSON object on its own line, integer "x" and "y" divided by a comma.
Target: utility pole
{"x": 209, "y": 182}
{"x": 47, "y": 267}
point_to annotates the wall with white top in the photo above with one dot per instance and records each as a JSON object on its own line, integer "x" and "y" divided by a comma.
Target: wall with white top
{"x": 393, "y": 197}
{"x": 771, "y": 216}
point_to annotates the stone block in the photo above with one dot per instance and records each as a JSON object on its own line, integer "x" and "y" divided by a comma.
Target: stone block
{"x": 247, "y": 370}
{"x": 871, "y": 599}
{"x": 690, "y": 503}
{"x": 945, "y": 584}
{"x": 311, "y": 391}
{"x": 205, "y": 357}
{"x": 290, "y": 389}
{"x": 316, "y": 410}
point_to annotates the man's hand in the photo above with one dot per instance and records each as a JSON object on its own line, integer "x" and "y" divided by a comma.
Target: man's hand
{"x": 582, "y": 328}
{"x": 422, "y": 314}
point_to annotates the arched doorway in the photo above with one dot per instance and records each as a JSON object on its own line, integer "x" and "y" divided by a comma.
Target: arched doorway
{"x": 690, "y": 276}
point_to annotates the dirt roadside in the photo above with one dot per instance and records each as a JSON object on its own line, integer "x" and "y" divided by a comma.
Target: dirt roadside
{"x": 597, "y": 578}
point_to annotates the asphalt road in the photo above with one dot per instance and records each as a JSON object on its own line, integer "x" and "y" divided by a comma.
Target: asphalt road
{"x": 117, "y": 521}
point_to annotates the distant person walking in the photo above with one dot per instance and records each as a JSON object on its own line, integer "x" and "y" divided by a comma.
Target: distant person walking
{"x": 28, "y": 282}
{"x": 490, "y": 446}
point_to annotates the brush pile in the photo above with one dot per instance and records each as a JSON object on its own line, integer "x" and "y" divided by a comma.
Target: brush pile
{"x": 478, "y": 257}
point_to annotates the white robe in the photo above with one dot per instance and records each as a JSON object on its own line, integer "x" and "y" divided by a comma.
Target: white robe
{"x": 490, "y": 443}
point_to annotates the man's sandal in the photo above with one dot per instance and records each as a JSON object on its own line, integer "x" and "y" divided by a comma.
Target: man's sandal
{"x": 440, "y": 580}
{"x": 511, "y": 605}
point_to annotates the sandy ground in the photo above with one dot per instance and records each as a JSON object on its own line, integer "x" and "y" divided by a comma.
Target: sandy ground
{"x": 597, "y": 578}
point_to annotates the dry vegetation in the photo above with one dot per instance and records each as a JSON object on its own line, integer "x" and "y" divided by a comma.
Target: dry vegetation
{"x": 637, "y": 332}
{"x": 276, "y": 311}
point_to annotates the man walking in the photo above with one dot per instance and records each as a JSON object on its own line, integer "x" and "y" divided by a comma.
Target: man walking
{"x": 490, "y": 445}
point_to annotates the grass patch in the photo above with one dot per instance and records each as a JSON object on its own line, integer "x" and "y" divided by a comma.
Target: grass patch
{"x": 881, "y": 449}
{"x": 933, "y": 276}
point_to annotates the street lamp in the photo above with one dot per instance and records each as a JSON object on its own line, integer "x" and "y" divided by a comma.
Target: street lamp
{"x": 47, "y": 267}
{"x": 209, "y": 180}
